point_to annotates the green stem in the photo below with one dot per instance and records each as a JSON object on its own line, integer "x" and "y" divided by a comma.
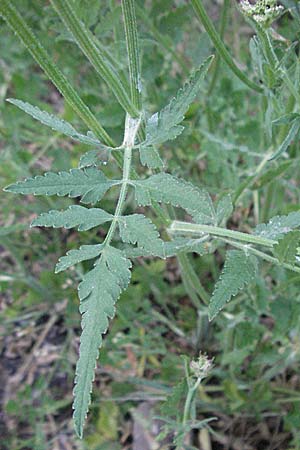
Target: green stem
{"x": 128, "y": 8}
{"x": 86, "y": 43}
{"x": 25, "y": 34}
{"x": 216, "y": 70}
{"x": 188, "y": 401}
{"x": 197, "y": 229}
{"x": 220, "y": 47}
{"x": 192, "y": 280}
{"x": 131, "y": 129}
{"x": 262, "y": 255}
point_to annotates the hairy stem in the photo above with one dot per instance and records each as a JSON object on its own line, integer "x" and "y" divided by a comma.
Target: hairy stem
{"x": 25, "y": 34}
{"x": 197, "y": 229}
{"x": 220, "y": 47}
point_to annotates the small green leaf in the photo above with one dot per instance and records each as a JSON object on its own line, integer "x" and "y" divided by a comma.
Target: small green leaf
{"x": 98, "y": 293}
{"x": 76, "y": 256}
{"x": 287, "y": 248}
{"x": 55, "y": 123}
{"x": 278, "y": 226}
{"x": 166, "y": 188}
{"x": 164, "y": 125}
{"x": 224, "y": 208}
{"x": 150, "y": 157}
{"x": 138, "y": 229}
{"x": 91, "y": 184}
{"x": 74, "y": 216}
{"x": 292, "y": 134}
{"x": 95, "y": 157}
{"x": 238, "y": 271}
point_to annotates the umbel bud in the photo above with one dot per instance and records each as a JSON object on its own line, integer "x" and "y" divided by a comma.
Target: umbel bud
{"x": 264, "y": 12}
{"x": 201, "y": 367}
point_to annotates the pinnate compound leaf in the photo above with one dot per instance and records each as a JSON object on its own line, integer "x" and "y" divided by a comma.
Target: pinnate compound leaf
{"x": 287, "y": 248}
{"x": 90, "y": 184}
{"x": 74, "y": 216}
{"x": 138, "y": 229}
{"x": 238, "y": 271}
{"x": 76, "y": 256}
{"x": 149, "y": 157}
{"x": 98, "y": 293}
{"x": 278, "y": 226}
{"x": 164, "y": 125}
{"x": 55, "y": 123}
{"x": 166, "y": 188}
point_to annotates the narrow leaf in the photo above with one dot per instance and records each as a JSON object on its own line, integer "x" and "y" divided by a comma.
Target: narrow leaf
{"x": 166, "y": 188}
{"x": 292, "y": 133}
{"x": 238, "y": 271}
{"x": 74, "y": 216}
{"x": 164, "y": 125}
{"x": 98, "y": 293}
{"x": 287, "y": 248}
{"x": 76, "y": 256}
{"x": 90, "y": 183}
{"x": 138, "y": 229}
{"x": 278, "y": 225}
{"x": 55, "y": 123}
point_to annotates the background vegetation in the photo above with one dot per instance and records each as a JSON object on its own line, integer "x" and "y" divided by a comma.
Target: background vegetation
{"x": 253, "y": 389}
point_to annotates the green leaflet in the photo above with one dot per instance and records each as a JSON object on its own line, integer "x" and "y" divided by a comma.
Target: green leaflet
{"x": 76, "y": 256}
{"x": 98, "y": 293}
{"x": 57, "y": 124}
{"x": 166, "y": 188}
{"x": 238, "y": 271}
{"x": 164, "y": 125}
{"x": 291, "y": 135}
{"x": 90, "y": 183}
{"x": 149, "y": 156}
{"x": 224, "y": 208}
{"x": 74, "y": 216}
{"x": 138, "y": 229}
{"x": 278, "y": 225}
{"x": 95, "y": 157}
{"x": 287, "y": 248}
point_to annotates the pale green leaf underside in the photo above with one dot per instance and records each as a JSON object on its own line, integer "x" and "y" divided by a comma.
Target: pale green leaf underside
{"x": 238, "y": 271}
{"x": 57, "y": 124}
{"x": 98, "y": 293}
{"x": 291, "y": 135}
{"x": 90, "y": 184}
{"x": 224, "y": 209}
{"x": 74, "y": 216}
{"x": 164, "y": 125}
{"x": 278, "y": 226}
{"x": 166, "y": 188}
{"x": 149, "y": 157}
{"x": 287, "y": 248}
{"x": 76, "y": 256}
{"x": 138, "y": 229}
{"x": 94, "y": 158}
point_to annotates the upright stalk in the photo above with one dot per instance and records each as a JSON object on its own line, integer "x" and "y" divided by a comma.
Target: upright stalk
{"x": 220, "y": 47}
{"x": 86, "y": 43}
{"x": 132, "y": 52}
{"x": 25, "y": 34}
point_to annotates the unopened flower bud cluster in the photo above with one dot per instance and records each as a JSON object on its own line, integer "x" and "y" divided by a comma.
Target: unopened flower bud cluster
{"x": 263, "y": 12}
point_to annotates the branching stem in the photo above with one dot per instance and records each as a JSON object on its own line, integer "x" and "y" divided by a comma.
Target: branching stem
{"x": 197, "y": 229}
